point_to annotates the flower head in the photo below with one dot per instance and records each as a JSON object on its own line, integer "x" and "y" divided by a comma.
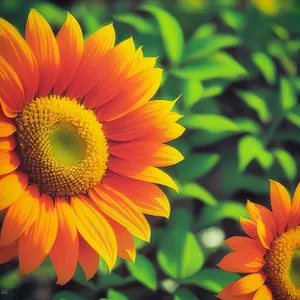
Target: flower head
{"x": 271, "y": 254}
{"x": 80, "y": 144}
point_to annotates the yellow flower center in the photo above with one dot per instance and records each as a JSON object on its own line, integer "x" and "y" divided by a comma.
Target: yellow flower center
{"x": 62, "y": 145}
{"x": 283, "y": 266}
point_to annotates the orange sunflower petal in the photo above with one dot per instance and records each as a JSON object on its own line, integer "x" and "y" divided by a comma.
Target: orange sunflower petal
{"x": 225, "y": 294}
{"x": 11, "y": 188}
{"x": 248, "y": 284}
{"x": 20, "y": 215}
{"x": 12, "y": 98}
{"x": 8, "y": 143}
{"x": 88, "y": 258}
{"x": 257, "y": 211}
{"x": 6, "y": 126}
{"x": 70, "y": 43}
{"x": 146, "y": 196}
{"x": 240, "y": 243}
{"x": 264, "y": 234}
{"x": 9, "y": 161}
{"x": 36, "y": 243}
{"x": 138, "y": 122}
{"x": 64, "y": 253}
{"x": 294, "y": 220}
{"x": 95, "y": 229}
{"x": 141, "y": 172}
{"x": 242, "y": 262}
{"x": 43, "y": 44}
{"x": 263, "y": 293}
{"x": 8, "y": 252}
{"x": 121, "y": 209}
{"x": 249, "y": 227}
{"x": 115, "y": 64}
{"x": 126, "y": 248}
{"x": 19, "y": 56}
{"x": 281, "y": 205}
{"x": 137, "y": 91}
{"x": 88, "y": 73}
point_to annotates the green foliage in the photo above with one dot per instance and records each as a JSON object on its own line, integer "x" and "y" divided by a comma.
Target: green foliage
{"x": 237, "y": 69}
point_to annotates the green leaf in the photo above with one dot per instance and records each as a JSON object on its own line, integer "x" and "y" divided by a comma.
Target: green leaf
{"x": 175, "y": 253}
{"x": 184, "y": 294}
{"x": 233, "y": 19}
{"x": 113, "y": 280}
{"x": 171, "y": 31}
{"x": 140, "y": 24}
{"x": 80, "y": 277}
{"x": 192, "y": 92}
{"x": 247, "y": 125}
{"x": 213, "y": 279}
{"x": 51, "y": 12}
{"x": 211, "y": 123}
{"x": 266, "y": 66}
{"x": 287, "y": 163}
{"x": 248, "y": 147}
{"x": 65, "y": 295}
{"x": 196, "y": 165}
{"x": 143, "y": 271}
{"x": 181, "y": 218}
{"x": 204, "y": 138}
{"x": 10, "y": 280}
{"x": 198, "y": 48}
{"x": 257, "y": 103}
{"x": 265, "y": 159}
{"x": 211, "y": 215}
{"x": 205, "y": 30}
{"x": 288, "y": 97}
{"x": 219, "y": 65}
{"x": 115, "y": 295}
{"x": 194, "y": 190}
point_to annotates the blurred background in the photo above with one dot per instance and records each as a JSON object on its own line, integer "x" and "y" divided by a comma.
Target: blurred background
{"x": 236, "y": 64}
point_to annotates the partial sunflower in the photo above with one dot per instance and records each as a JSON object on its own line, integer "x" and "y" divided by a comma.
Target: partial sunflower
{"x": 80, "y": 145}
{"x": 271, "y": 253}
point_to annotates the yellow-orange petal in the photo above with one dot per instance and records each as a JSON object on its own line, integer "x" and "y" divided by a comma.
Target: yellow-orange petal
{"x": 88, "y": 73}
{"x": 248, "y": 284}
{"x": 9, "y": 161}
{"x": 294, "y": 219}
{"x": 36, "y": 243}
{"x": 225, "y": 294}
{"x": 8, "y": 252}
{"x": 164, "y": 133}
{"x": 70, "y": 43}
{"x": 137, "y": 91}
{"x": 126, "y": 248}
{"x": 141, "y": 172}
{"x": 15, "y": 50}
{"x": 64, "y": 253}
{"x": 264, "y": 234}
{"x": 242, "y": 262}
{"x": 281, "y": 205}
{"x": 8, "y": 143}
{"x": 263, "y": 293}
{"x": 20, "y": 215}
{"x": 146, "y": 196}
{"x": 6, "y": 126}
{"x": 138, "y": 122}
{"x": 12, "y": 98}
{"x": 43, "y": 44}
{"x": 249, "y": 227}
{"x": 115, "y": 63}
{"x": 88, "y": 258}
{"x": 121, "y": 209}
{"x": 257, "y": 211}
{"x": 11, "y": 188}
{"x": 95, "y": 229}
{"x": 241, "y": 243}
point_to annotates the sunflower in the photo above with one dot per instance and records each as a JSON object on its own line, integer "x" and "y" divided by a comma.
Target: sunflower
{"x": 80, "y": 144}
{"x": 271, "y": 253}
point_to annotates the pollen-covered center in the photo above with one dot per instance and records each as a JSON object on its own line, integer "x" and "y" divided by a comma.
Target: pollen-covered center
{"x": 282, "y": 267}
{"x": 62, "y": 145}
